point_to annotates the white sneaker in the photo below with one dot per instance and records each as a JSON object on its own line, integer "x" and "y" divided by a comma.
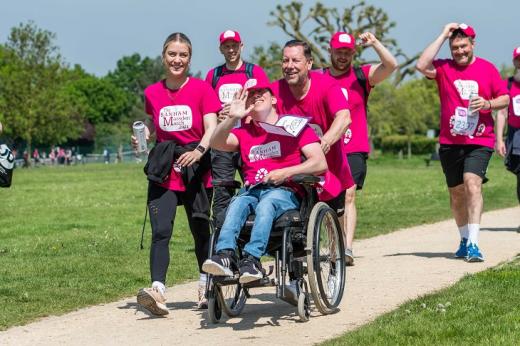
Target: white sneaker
{"x": 152, "y": 300}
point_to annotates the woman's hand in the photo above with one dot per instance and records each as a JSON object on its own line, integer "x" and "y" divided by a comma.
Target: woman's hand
{"x": 189, "y": 158}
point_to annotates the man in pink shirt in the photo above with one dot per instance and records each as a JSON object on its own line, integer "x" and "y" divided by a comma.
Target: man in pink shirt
{"x": 511, "y": 148}
{"x": 470, "y": 88}
{"x": 312, "y": 94}
{"x": 226, "y": 80}
{"x": 269, "y": 159}
{"x": 356, "y": 83}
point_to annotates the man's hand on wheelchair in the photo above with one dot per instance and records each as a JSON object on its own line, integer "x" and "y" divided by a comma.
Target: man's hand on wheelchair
{"x": 276, "y": 177}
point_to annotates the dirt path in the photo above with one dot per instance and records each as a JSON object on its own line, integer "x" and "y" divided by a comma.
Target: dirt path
{"x": 390, "y": 270}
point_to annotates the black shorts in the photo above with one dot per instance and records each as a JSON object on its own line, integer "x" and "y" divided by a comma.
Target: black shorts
{"x": 338, "y": 204}
{"x": 459, "y": 159}
{"x": 358, "y": 167}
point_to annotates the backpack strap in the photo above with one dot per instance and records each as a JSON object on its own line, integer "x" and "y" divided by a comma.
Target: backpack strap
{"x": 509, "y": 83}
{"x": 217, "y": 73}
{"x": 362, "y": 80}
{"x": 249, "y": 70}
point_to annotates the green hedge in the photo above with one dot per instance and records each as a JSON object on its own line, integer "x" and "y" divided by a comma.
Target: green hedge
{"x": 420, "y": 144}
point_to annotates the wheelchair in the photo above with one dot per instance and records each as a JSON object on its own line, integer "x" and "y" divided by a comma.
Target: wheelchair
{"x": 307, "y": 246}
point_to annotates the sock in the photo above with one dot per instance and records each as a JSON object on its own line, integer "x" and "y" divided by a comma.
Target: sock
{"x": 160, "y": 286}
{"x": 203, "y": 278}
{"x": 473, "y": 229}
{"x": 464, "y": 232}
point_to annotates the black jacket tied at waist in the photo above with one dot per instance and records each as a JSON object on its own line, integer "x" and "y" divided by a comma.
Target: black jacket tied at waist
{"x": 159, "y": 166}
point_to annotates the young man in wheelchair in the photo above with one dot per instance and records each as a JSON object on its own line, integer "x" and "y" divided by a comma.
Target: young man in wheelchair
{"x": 271, "y": 156}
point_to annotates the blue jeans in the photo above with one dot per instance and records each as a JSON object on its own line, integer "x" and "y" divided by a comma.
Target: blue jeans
{"x": 268, "y": 203}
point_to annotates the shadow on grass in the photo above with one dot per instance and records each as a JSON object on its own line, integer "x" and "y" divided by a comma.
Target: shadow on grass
{"x": 449, "y": 255}
{"x": 275, "y": 309}
{"x": 500, "y": 229}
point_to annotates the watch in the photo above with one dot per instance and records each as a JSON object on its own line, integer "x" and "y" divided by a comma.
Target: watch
{"x": 201, "y": 148}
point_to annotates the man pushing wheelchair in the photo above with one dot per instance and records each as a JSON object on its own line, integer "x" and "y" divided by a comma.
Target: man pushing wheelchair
{"x": 271, "y": 147}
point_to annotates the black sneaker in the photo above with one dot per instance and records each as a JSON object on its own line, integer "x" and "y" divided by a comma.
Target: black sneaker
{"x": 250, "y": 270}
{"x": 221, "y": 264}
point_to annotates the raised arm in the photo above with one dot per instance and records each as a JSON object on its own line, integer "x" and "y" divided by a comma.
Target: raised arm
{"x": 379, "y": 72}
{"x": 425, "y": 61}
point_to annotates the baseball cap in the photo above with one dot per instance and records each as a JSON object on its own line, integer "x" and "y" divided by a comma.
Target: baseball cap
{"x": 254, "y": 83}
{"x": 516, "y": 53}
{"x": 342, "y": 40}
{"x": 467, "y": 30}
{"x": 230, "y": 35}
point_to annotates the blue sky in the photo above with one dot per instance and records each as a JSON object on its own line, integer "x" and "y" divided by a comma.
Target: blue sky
{"x": 96, "y": 33}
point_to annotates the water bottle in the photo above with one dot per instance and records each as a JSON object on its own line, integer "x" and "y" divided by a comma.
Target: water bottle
{"x": 471, "y": 113}
{"x": 139, "y": 133}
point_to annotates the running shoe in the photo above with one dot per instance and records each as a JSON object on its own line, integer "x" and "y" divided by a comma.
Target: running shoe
{"x": 250, "y": 270}
{"x": 152, "y": 300}
{"x": 474, "y": 254}
{"x": 462, "y": 252}
{"x": 221, "y": 264}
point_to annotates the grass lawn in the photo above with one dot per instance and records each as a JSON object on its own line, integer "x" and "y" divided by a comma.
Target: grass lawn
{"x": 481, "y": 309}
{"x": 69, "y": 236}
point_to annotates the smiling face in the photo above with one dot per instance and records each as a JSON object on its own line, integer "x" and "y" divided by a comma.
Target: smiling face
{"x": 295, "y": 66}
{"x": 231, "y": 51}
{"x": 263, "y": 102}
{"x": 176, "y": 58}
{"x": 462, "y": 50}
{"x": 341, "y": 58}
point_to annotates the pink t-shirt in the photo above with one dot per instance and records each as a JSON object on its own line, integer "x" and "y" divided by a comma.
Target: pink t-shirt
{"x": 513, "y": 118}
{"x": 321, "y": 103}
{"x": 178, "y": 116}
{"x": 356, "y": 137}
{"x": 232, "y": 81}
{"x": 455, "y": 84}
{"x": 263, "y": 152}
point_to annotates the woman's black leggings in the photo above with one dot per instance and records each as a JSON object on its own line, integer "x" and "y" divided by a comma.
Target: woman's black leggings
{"x": 162, "y": 206}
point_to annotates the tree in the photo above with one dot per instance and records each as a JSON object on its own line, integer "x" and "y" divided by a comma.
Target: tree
{"x": 36, "y": 104}
{"x": 319, "y": 23}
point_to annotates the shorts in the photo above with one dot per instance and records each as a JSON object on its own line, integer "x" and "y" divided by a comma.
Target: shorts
{"x": 337, "y": 204}
{"x": 459, "y": 159}
{"x": 358, "y": 168}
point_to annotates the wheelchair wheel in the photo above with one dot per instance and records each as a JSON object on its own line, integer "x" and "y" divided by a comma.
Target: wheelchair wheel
{"x": 232, "y": 298}
{"x": 326, "y": 259}
{"x": 304, "y": 304}
{"x": 214, "y": 309}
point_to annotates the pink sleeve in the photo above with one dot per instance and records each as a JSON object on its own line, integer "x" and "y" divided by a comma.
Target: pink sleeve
{"x": 260, "y": 74}
{"x": 439, "y": 67}
{"x": 210, "y": 101}
{"x": 307, "y": 136}
{"x": 335, "y": 99}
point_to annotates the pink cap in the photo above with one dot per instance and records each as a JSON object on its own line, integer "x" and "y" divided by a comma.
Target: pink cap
{"x": 516, "y": 53}
{"x": 467, "y": 30}
{"x": 254, "y": 83}
{"x": 230, "y": 35}
{"x": 342, "y": 40}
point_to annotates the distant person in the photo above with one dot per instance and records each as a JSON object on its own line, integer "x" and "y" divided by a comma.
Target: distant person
{"x": 511, "y": 148}
{"x": 470, "y": 88}
{"x": 36, "y": 156}
{"x": 356, "y": 83}
{"x": 226, "y": 80}
{"x": 182, "y": 115}
{"x": 106, "y": 156}
{"x": 61, "y": 155}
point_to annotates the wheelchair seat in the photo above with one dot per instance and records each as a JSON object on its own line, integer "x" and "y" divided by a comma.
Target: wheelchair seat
{"x": 291, "y": 218}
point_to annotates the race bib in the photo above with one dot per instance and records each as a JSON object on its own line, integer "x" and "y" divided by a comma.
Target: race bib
{"x": 175, "y": 118}
{"x": 265, "y": 151}
{"x": 226, "y": 92}
{"x": 464, "y": 124}
{"x": 516, "y": 105}
{"x": 345, "y": 93}
{"x": 348, "y": 136}
{"x": 465, "y": 88}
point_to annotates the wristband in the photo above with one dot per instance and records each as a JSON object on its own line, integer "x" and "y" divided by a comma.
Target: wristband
{"x": 201, "y": 149}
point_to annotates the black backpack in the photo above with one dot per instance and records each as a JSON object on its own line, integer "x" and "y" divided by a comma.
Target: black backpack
{"x": 509, "y": 82}
{"x": 6, "y": 166}
{"x": 219, "y": 72}
{"x": 362, "y": 80}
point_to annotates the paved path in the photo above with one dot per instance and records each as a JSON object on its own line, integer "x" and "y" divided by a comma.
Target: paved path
{"x": 390, "y": 270}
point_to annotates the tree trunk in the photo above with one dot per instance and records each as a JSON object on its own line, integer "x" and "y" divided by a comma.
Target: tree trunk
{"x": 409, "y": 147}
